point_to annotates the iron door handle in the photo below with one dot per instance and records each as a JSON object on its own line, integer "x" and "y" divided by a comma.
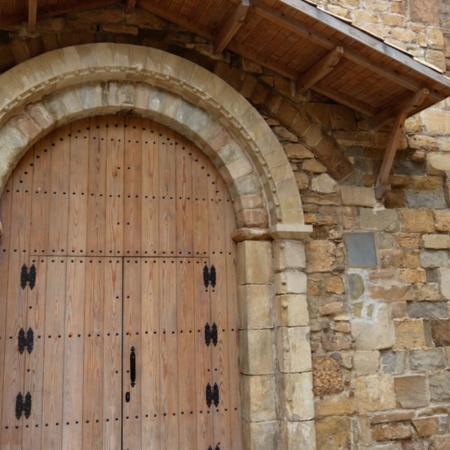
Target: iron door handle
{"x": 133, "y": 367}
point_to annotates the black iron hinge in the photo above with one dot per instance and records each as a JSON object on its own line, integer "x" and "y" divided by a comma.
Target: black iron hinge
{"x": 211, "y": 334}
{"x": 209, "y": 276}
{"x": 23, "y": 405}
{"x": 28, "y": 276}
{"x": 212, "y": 395}
{"x": 26, "y": 340}
{"x": 216, "y": 448}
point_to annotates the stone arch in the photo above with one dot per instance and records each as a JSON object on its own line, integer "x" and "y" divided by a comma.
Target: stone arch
{"x": 58, "y": 87}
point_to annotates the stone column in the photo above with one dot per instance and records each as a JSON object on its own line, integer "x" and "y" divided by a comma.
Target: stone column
{"x": 257, "y": 341}
{"x": 296, "y": 405}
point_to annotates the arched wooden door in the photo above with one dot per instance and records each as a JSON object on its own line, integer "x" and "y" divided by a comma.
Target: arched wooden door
{"x": 118, "y": 321}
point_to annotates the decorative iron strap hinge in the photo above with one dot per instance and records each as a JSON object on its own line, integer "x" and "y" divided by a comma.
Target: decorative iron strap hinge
{"x": 209, "y": 276}
{"x": 28, "y": 276}
{"x": 23, "y": 405}
{"x": 212, "y": 395}
{"x": 216, "y": 448}
{"x": 211, "y": 334}
{"x": 26, "y": 340}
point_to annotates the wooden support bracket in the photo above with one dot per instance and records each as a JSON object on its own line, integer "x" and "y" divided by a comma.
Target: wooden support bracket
{"x": 232, "y": 26}
{"x": 32, "y": 15}
{"x": 320, "y": 69}
{"x": 382, "y": 182}
{"x": 130, "y": 6}
{"x": 407, "y": 104}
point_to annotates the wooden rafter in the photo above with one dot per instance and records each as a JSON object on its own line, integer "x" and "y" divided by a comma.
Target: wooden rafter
{"x": 130, "y": 6}
{"x": 301, "y": 29}
{"x": 389, "y": 156}
{"x": 232, "y": 26}
{"x": 320, "y": 69}
{"x": 32, "y": 15}
{"x": 407, "y": 104}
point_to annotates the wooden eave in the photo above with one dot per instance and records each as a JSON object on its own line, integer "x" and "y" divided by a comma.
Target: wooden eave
{"x": 292, "y": 38}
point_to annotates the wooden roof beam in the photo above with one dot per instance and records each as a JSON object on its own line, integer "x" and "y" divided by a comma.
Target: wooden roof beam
{"x": 382, "y": 181}
{"x": 32, "y": 15}
{"x": 319, "y": 70}
{"x": 407, "y": 104}
{"x": 325, "y": 41}
{"x": 130, "y": 6}
{"x": 232, "y": 26}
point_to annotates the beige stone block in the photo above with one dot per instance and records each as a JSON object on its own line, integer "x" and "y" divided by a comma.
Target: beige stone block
{"x": 297, "y": 435}
{"x": 296, "y": 397}
{"x": 412, "y": 391}
{"x": 409, "y": 334}
{"x": 320, "y": 256}
{"x": 444, "y": 275}
{"x": 333, "y": 433}
{"x": 294, "y": 349}
{"x": 254, "y": 262}
{"x": 391, "y": 431}
{"x": 436, "y": 241}
{"x": 292, "y": 310}
{"x": 257, "y": 352}
{"x": 417, "y": 221}
{"x": 258, "y": 398}
{"x": 260, "y": 435}
{"x": 442, "y": 220}
{"x": 358, "y": 196}
{"x": 255, "y": 306}
{"x": 374, "y": 334}
{"x": 366, "y": 362}
{"x": 374, "y": 393}
{"x": 436, "y": 121}
{"x": 438, "y": 162}
{"x": 290, "y": 282}
{"x": 336, "y": 406}
{"x": 289, "y": 254}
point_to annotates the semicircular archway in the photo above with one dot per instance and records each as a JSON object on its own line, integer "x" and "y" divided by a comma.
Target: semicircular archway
{"x": 61, "y": 86}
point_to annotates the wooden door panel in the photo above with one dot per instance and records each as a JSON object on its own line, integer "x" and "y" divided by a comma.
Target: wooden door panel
{"x": 96, "y": 203}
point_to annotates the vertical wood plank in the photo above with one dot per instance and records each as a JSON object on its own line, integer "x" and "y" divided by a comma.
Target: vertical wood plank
{"x": 150, "y": 354}
{"x": 112, "y": 348}
{"x": 111, "y": 140}
{"x": 74, "y": 354}
{"x": 53, "y": 337}
{"x": 78, "y": 188}
{"x": 132, "y": 410}
{"x": 133, "y": 187}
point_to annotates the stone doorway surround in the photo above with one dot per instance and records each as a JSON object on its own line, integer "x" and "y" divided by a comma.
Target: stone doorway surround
{"x": 58, "y": 87}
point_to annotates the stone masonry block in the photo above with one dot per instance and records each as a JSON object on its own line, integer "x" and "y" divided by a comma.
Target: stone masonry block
{"x": 442, "y": 220}
{"x": 375, "y": 334}
{"x": 294, "y": 349}
{"x": 412, "y": 391}
{"x": 417, "y": 221}
{"x": 290, "y": 282}
{"x": 440, "y": 332}
{"x": 436, "y": 241}
{"x": 333, "y": 433}
{"x": 383, "y": 220}
{"x": 440, "y": 386}
{"x": 289, "y": 255}
{"x": 292, "y": 310}
{"x": 427, "y": 360}
{"x": 298, "y": 435}
{"x": 409, "y": 334}
{"x": 256, "y": 350}
{"x": 254, "y": 262}
{"x": 431, "y": 259}
{"x": 445, "y": 282}
{"x": 258, "y": 398}
{"x": 296, "y": 399}
{"x": 366, "y": 362}
{"x": 260, "y": 435}
{"x": 255, "y": 306}
{"x": 374, "y": 393}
